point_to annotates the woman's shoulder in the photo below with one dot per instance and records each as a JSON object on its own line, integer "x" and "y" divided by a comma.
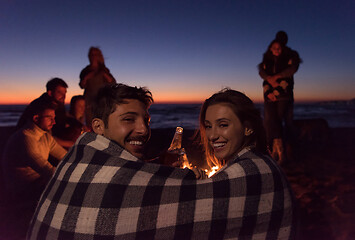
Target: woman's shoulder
{"x": 253, "y": 162}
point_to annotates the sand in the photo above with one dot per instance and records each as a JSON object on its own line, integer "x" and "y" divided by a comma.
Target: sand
{"x": 320, "y": 170}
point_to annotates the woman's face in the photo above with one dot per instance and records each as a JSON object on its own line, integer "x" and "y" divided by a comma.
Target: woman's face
{"x": 96, "y": 57}
{"x": 79, "y": 107}
{"x": 224, "y": 131}
{"x": 276, "y": 49}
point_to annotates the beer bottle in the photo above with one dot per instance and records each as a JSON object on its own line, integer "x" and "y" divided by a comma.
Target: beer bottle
{"x": 173, "y": 153}
{"x": 177, "y": 139}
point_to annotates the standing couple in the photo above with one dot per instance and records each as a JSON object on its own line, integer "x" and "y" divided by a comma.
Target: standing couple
{"x": 103, "y": 189}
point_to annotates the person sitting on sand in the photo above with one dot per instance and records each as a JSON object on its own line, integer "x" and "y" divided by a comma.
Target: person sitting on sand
{"x": 77, "y": 108}
{"x": 25, "y": 164}
{"x": 102, "y": 188}
{"x": 56, "y": 92}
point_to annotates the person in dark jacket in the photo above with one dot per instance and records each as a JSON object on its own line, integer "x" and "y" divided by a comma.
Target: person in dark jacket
{"x": 277, "y": 68}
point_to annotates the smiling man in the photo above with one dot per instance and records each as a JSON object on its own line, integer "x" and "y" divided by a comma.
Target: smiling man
{"x": 124, "y": 119}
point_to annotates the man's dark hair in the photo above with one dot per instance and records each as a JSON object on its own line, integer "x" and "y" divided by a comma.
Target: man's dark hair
{"x": 54, "y": 83}
{"x": 113, "y": 94}
{"x": 39, "y": 106}
{"x": 282, "y": 38}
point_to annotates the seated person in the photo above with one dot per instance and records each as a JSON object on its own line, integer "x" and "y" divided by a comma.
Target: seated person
{"x": 77, "y": 108}
{"x": 103, "y": 189}
{"x": 75, "y": 119}
{"x": 25, "y": 164}
{"x": 56, "y": 92}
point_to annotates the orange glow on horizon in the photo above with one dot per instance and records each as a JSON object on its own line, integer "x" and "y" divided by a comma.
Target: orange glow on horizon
{"x": 24, "y": 97}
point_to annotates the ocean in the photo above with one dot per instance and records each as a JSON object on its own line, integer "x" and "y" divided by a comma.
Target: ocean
{"x": 337, "y": 114}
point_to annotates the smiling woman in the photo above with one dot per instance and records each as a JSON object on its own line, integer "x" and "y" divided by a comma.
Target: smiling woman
{"x": 229, "y": 122}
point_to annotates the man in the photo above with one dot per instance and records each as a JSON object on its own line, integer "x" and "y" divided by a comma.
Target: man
{"x": 26, "y": 168}
{"x": 103, "y": 190}
{"x": 56, "y": 93}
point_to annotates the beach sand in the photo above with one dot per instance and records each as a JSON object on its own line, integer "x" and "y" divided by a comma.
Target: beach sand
{"x": 321, "y": 173}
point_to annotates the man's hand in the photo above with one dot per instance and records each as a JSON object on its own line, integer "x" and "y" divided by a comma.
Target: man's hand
{"x": 273, "y": 80}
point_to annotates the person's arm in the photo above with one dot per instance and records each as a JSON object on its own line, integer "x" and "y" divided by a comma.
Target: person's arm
{"x": 108, "y": 76}
{"x": 272, "y": 80}
{"x": 64, "y": 143}
{"x": 293, "y": 64}
{"x": 37, "y": 159}
{"x": 56, "y": 150}
{"x": 84, "y": 79}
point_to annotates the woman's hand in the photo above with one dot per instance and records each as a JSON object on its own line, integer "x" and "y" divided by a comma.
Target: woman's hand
{"x": 273, "y": 80}
{"x": 200, "y": 174}
{"x": 272, "y": 97}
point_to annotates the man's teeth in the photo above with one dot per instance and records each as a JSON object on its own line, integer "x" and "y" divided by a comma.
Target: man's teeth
{"x": 216, "y": 145}
{"x": 136, "y": 143}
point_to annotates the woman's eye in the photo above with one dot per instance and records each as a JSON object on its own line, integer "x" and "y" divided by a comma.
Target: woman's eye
{"x": 223, "y": 125}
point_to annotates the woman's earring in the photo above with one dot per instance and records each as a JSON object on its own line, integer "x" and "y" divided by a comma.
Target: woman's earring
{"x": 248, "y": 132}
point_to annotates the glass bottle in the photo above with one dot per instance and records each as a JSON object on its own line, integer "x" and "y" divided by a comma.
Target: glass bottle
{"x": 177, "y": 140}
{"x": 175, "y": 152}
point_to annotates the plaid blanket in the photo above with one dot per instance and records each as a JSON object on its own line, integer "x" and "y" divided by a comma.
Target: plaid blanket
{"x": 100, "y": 191}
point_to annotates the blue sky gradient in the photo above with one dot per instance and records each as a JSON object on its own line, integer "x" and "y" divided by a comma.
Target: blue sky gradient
{"x": 180, "y": 50}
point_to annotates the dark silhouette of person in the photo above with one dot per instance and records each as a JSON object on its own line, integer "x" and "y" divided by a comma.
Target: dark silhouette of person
{"x": 92, "y": 78}
{"x": 277, "y": 68}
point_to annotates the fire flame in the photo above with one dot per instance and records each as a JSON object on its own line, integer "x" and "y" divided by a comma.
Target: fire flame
{"x": 212, "y": 171}
{"x": 209, "y": 173}
{"x": 186, "y": 165}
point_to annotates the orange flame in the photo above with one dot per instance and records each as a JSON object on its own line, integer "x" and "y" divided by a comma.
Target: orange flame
{"x": 212, "y": 171}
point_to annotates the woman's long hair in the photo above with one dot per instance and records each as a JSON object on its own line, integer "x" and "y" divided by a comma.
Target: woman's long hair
{"x": 247, "y": 113}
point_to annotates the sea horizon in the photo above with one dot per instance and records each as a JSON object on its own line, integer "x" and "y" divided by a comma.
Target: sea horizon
{"x": 169, "y": 115}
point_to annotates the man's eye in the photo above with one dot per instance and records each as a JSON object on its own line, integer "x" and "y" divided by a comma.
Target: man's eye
{"x": 128, "y": 119}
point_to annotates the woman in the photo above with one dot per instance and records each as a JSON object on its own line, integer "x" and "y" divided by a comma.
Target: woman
{"x": 234, "y": 140}
{"x": 277, "y": 69}
{"x": 77, "y": 108}
{"x": 229, "y": 122}
{"x": 92, "y": 78}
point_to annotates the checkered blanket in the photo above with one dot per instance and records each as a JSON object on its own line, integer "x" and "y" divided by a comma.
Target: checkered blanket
{"x": 100, "y": 191}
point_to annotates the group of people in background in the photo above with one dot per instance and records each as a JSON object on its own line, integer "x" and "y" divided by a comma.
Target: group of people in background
{"x": 104, "y": 187}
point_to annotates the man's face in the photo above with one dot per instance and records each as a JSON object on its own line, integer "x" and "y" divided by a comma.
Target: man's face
{"x": 128, "y": 126}
{"x": 58, "y": 94}
{"x": 45, "y": 120}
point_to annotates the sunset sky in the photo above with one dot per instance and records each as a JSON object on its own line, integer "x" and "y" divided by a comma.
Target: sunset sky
{"x": 182, "y": 50}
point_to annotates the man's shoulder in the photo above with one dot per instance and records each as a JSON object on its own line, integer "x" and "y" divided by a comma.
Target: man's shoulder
{"x": 291, "y": 53}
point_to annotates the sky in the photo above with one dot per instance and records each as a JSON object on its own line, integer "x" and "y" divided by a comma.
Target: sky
{"x": 183, "y": 50}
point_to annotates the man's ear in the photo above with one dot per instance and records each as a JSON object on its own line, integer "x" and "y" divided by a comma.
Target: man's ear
{"x": 49, "y": 92}
{"x": 35, "y": 118}
{"x": 98, "y": 126}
